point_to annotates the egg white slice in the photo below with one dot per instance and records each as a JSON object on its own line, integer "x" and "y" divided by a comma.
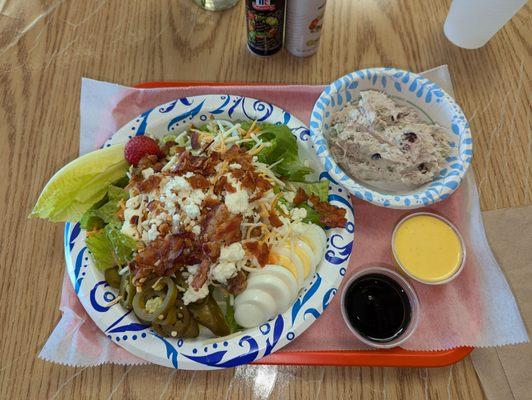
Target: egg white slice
{"x": 283, "y": 257}
{"x": 315, "y": 237}
{"x": 275, "y": 287}
{"x": 283, "y": 274}
{"x": 254, "y": 307}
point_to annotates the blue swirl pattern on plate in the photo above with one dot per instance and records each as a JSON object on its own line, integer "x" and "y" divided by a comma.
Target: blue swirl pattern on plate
{"x": 123, "y": 328}
{"x": 429, "y": 100}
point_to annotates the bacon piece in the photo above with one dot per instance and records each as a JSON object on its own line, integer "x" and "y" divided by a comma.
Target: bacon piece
{"x": 199, "y": 182}
{"x": 219, "y": 185}
{"x": 165, "y": 148}
{"x": 162, "y": 257}
{"x": 274, "y": 219}
{"x": 149, "y": 184}
{"x": 201, "y": 165}
{"x": 220, "y": 225}
{"x": 210, "y": 202}
{"x": 211, "y": 249}
{"x": 259, "y": 250}
{"x": 237, "y": 284}
{"x": 154, "y": 205}
{"x": 300, "y": 196}
{"x": 331, "y": 216}
{"x": 194, "y": 140}
{"x": 201, "y": 275}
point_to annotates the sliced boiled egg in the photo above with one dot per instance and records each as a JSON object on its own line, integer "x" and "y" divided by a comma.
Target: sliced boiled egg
{"x": 303, "y": 250}
{"x": 282, "y": 256}
{"x": 314, "y": 236}
{"x": 254, "y": 307}
{"x": 303, "y": 253}
{"x": 273, "y": 285}
{"x": 282, "y": 273}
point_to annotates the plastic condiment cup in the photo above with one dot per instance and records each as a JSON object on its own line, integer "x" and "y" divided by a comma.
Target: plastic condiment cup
{"x": 451, "y": 225}
{"x": 412, "y": 298}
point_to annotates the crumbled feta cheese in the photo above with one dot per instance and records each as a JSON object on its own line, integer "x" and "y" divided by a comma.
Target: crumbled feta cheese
{"x": 153, "y": 233}
{"x": 233, "y": 253}
{"x": 297, "y": 214}
{"x": 146, "y": 173}
{"x": 235, "y": 166}
{"x": 237, "y": 202}
{"x": 192, "y": 269}
{"x": 134, "y": 202}
{"x": 196, "y": 196}
{"x": 191, "y": 295}
{"x": 223, "y": 271}
{"x": 289, "y": 196}
{"x": 191, "y": 210}
{"x": 196, "y": 230}
{"x": 188, "y": 175}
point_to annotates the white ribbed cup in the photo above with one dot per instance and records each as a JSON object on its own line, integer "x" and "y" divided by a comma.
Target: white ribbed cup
{"x": 471, "y": 23}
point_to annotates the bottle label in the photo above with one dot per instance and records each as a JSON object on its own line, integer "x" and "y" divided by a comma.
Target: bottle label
{"x": 265, "y": 25}
{"x": 263, "y": 5}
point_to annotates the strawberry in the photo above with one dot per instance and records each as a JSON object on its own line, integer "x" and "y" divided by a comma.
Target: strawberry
{"x": 140, "y": 146}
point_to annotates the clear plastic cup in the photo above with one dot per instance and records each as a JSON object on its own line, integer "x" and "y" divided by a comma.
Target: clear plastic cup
{"x": 412, "y": 298}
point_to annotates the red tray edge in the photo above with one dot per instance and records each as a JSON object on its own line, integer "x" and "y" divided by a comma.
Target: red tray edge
{"x": 371, "y": 358}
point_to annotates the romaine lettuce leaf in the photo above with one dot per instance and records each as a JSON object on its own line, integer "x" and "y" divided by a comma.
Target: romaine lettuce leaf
{"x": 110, "y": 247}
{"x": 283, "y": 149}
{"x": 100, "y": 214}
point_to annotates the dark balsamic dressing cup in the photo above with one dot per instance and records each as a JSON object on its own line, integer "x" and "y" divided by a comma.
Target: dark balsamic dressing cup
{"x": 380, "y": 307}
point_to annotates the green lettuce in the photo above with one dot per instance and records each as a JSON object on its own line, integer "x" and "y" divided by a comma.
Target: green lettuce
{"x": 104, "y": 212}
{"x": 110, "y": 247}
{"x": 282, "y": 150}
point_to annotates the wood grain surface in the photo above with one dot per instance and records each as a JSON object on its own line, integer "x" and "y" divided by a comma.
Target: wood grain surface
{"x": 46, "y": 46}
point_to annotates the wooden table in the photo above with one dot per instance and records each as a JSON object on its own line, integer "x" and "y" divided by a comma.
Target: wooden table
{"x": 46, "y": 46}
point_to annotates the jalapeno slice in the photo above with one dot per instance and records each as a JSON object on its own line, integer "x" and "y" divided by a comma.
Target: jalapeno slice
{"x": 112, "y": 277}
{"x": 185, "y": 326}
{"x": 126, "y": 292}
{"x": 208, "y": 313}
{"x": 153, "y": 301}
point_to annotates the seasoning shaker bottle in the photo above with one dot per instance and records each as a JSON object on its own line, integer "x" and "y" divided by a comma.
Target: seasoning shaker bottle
{"x": 304, "y": 21}
{"x": 265, "y": 26}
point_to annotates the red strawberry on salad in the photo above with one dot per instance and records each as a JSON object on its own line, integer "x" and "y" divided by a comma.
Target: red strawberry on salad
{"x": 140, "y": 146}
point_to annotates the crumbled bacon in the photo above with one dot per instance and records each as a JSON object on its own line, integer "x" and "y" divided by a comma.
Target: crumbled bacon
{"x": 237, "y": 284}
{"x": 201, "y": 165}
{"x": 149, "y": 184}
{"x": 220, "y": 225}
{"x": 300, "y": 197}
{"x": 165, "y": 148}
{"x": 274, "y": 219}
{"x": 211, "y": 249}
{"x": 160, "y": 257}
{"x": 201, "y": 275}
{"x": 259, "y": 250}
{"x": 331, "y": 216}
{"x": 199, "y": 182}
{"x": 154, "y": 205}
{"x": 147, "y": 161}
{"x": 194, "y": 140}
{"x": 210, "y": 202}
{"x": 219, "y": 185}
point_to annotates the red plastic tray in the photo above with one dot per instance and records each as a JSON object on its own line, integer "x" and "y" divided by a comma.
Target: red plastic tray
{"x": 396, "y": 357}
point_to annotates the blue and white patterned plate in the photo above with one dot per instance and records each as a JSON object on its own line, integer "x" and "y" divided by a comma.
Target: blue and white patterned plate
{"x": 406, "y": 88}
{"x": 250, "y": 345}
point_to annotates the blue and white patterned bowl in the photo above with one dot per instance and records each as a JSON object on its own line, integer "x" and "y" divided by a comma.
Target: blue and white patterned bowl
{"x": 123, "y": 328}
{"x": 407, "y": 88}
